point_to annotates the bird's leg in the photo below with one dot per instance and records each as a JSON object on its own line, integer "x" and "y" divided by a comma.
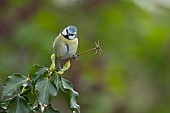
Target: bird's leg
{"x": 58, "y": 64}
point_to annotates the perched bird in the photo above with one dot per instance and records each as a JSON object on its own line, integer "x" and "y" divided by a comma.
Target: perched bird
{"x": 66, "y": 43}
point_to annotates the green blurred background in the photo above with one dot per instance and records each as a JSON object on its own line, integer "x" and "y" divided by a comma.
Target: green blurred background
{"x": 133, "y": 73}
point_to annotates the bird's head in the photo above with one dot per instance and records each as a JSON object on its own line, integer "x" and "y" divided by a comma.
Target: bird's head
{"x": 69, "y": 32}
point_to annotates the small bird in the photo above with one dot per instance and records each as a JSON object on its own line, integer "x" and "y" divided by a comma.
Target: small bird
{"x": 66, "y": 43}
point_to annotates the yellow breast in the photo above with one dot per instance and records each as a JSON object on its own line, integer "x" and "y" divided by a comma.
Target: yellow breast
{"x": 64, "y": 48}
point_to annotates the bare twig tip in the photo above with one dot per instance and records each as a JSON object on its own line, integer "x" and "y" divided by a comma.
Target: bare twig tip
{"x": 98, "y": 48}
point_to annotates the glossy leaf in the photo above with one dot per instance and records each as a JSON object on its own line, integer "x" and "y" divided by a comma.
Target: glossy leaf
{"x": 65, "y": 68}
{"x": 39, "y": 74}
{"x": 32, "y": 97}
{"x": 34, "y": 69}
{"x": 18, "y": 105}
{"x": 57, "y": 80}
{"x": 52, "y": 67}
{"x": 49, "y": 109}
{"x": 13, "y": 83}
{"x": 70, "y": 95}
{"x": 46, "y": 90}
{"x": 5, "y": 103}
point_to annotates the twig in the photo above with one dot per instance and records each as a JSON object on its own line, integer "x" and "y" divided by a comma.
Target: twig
{"x": 97, "y": 48}
{"x": 26, "y": 91}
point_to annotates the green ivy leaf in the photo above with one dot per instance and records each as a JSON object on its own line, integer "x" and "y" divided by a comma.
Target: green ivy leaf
{"x": 18, "y": 105}
{"x": 65, "y": 68}
{"x": 46, "y": 90}
{"x": 13, "y": 83}
{"x": 5, "y": 103}
{"x": 32, "y": 97}
{"x": 40, "y": 73}
{"x": 57, "y": 80}
{"x": 52, "y": 67}
{"x": 49, "y": 109}
{"x": 70, "y": 95}
{"x": 34, "y": 69}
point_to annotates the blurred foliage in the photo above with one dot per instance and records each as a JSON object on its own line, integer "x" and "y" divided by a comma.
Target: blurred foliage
{"x": 131, "y": 76}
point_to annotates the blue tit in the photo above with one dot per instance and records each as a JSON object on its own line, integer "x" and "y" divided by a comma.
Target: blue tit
{"x": 66, "y": 43}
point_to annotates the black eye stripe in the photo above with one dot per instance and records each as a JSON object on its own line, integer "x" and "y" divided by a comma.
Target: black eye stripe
{"x": 68, "y": 34}
{"x": 71, "y": 34}
{"x": 67, "y": 31}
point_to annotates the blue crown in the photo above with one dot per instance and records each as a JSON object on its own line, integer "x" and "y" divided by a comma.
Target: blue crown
{"x": 72, "y": 29}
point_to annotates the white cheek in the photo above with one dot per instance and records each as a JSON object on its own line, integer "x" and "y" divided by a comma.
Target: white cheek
{"x": 64, "y": 32}
{"x": 71, "y": 37}
{"x": 69, "y": 32}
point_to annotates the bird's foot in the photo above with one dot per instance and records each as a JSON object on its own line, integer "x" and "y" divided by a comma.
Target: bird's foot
{"x": 75, "y": 57}
{"x": 59, "y": 66}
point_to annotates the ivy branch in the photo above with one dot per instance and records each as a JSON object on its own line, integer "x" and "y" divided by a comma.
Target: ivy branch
{"x": 52, "y": 67}
{"x": 39, "y": 81}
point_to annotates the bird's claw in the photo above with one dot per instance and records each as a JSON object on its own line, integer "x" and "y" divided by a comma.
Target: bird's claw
{"x": 75, "y": 57}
